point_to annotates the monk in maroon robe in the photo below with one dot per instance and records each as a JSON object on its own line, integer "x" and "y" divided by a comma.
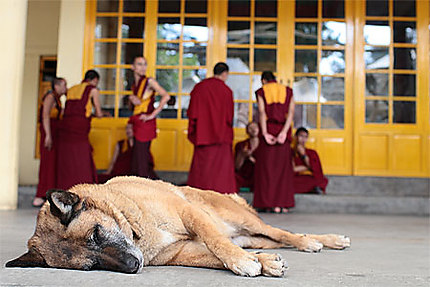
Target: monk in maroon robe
{"x": 273, "y": 185}
{"x": 143, "y": 119}
{"x": 50, "y": 112}
{"x": 75, "y": 162}
{"x": 308, "y": 173}
{"x": 244, "y": 158}
{"x": 121, "y": 159}
{"x": 210, "y": 130}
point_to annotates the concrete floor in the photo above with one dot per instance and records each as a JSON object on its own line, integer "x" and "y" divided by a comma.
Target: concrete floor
{"x": 385, "y": 251}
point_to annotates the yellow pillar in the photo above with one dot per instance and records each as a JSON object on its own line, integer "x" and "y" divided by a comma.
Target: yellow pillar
{"x": 13, "y": 18}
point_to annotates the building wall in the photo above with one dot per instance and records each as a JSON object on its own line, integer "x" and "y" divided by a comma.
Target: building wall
{"x": 41, "y": 39}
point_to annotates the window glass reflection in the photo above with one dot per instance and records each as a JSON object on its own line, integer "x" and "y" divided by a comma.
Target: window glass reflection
{"x": 376, "y": 84}
{"x": 404, "y": 112}
{"x": 377, "y": 8}
{"x": 168, "y": 29}
{"x": 107, "y": 103}
{"x": 332, "y": 62}
{"x": 305, "y": 61}
{"x": 404, "y": 85}
{"x": 306, "y": 34}
{"x": 332, "y": 117}
{"x": 133, "y": 27}
{"x": 265, "y": 60}
{"x": 266, "y": 8}
{"x": 185, "y": 102}
{"x": 170, "y": 109}
{"x": 333, "y": 33}
{"x": 107, "y": 6}
{"x": 104, "y": 53}
{"x": 168, "y": 79}
{"x": 332, "y": 89}
{"x": 129, "y": 51}
{"x": 238, "y": 59}
{"x": 405, "y": 58}
{"x": 376, "y": 58}
{"x": 241, "y": 113}
{"x": 376, "y": 111}
{"x": 194, "y": 54}
{"x": 190, "y": 78}
{"x": 126, "y": 80}
{"x": 305, "y": 116}
{"x": 240, "y": 86}
{"x": 107, "y": 79}
{"x": 169, "y": 6}
{"x": 405, "y": 32}
{"x": 124, "y": 109}
{"x": 196, "y": 6}
{"x": 133, "y": 6}
{"x": 238, "y": 32}
{"x": 404, "y": 8}
{"x": 306, "y": 8}
{"x": 239, "y": 7}
{"x": 265, "y": 32}
{"x": 106, "y": 27}
{"x": 305, "y": 89}
{"x": 196, "y": 29}
{"x": 377, "y": 33}
{"x": 168, "y": 54}
{"x": 333, "y": 9}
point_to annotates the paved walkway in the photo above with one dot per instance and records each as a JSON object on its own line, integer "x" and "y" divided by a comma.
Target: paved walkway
{"x": 385, "y": 251}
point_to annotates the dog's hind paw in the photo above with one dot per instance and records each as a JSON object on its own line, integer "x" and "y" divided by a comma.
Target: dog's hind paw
{"x": 249, "y": 266}
{"x": 273, "y": 264}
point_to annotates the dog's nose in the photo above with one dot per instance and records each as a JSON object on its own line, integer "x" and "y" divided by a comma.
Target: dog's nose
{"x": 133, "y": 264}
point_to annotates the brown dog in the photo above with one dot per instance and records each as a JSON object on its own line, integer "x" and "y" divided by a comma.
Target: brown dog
{"x": 132, "y": 222}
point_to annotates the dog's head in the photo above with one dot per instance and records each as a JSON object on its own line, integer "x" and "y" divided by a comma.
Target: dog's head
{"x": 72, "y": 232}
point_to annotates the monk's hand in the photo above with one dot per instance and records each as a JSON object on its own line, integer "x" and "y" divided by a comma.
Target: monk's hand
{"x": 252, "y": 159}
{"x": 145, "y": 118}
{"x": 48, "y": 142}
{"x": 270, "y": 139}
{"x": 301, "y": 150}
{"x": 134, "y": 100}
{"x": 282, "y": 136}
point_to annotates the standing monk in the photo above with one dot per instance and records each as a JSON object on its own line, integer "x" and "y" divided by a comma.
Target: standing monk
{"x": 143, "y": 119}
{"x": 49, "y": 115}
{"x": 75, "y": 161}
{"x": 308, "y": 173}
{"x": 273, "y": 186}
{"x": 210, "y": 130}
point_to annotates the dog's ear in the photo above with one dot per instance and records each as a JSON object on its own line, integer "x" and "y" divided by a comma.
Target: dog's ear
{"x": 62, "y": 204}
{"x": 30, "y": 259}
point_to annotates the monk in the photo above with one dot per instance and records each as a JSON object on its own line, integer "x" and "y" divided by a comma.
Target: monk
{"x": 273, "y": 185}
{"x": 50, "y": 112}
{"x": 121, "y": 159}
{"x": 244, "y": 158}
{"x": 143, "y": 119}
{"x": 210, "y": 130}
{"x": 308, "y": 173}
{"x": 75, "y": 161}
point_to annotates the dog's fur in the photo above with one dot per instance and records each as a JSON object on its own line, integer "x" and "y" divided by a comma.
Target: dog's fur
{"x": 132, "y": 222}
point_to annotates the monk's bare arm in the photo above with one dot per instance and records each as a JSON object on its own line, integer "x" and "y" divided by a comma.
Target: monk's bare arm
{"x": 154, "y": 85}
{"x": 48, "y": 103}
{"x": 114, "y": 157}
{"x": 95, "y": 95}
{"x": 282, "y": 136}
{"x": 270, "y": 139}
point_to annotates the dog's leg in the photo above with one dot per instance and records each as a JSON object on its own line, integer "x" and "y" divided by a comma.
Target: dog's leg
{"x": 196, "y": 254}
{"x": 333, "y": 241}
{"x": 200, "y": 224}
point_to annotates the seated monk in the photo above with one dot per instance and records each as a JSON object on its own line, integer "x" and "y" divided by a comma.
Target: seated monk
{"x": 308, "y": 173}
{"x": 121, "y": 159}
{"x": 244, "y": 159}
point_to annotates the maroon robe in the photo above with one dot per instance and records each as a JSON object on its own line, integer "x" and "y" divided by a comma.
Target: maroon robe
{"x": 273, "y": 184}
{"x": 47, "y": 168}
{"x": 308, "y": 181}
{"x": 142, "y": 163}
{"x": 122, "y": 163}
{"x": 244, "y": 175}
{"x": 74, "y": 160}
{"x": 210, "y": 130}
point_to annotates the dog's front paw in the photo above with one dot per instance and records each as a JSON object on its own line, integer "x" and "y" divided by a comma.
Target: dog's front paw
{"x": 336, "y": 241}
{"x": 308, "y": 244}
{"x": 247, "y": 265}
{"x": 273, "y": 264}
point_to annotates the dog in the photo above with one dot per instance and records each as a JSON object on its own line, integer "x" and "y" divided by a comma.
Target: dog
{"x": 131, "y": 222}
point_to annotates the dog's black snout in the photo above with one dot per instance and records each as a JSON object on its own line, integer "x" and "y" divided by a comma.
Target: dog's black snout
{"x": 133, "y": 264}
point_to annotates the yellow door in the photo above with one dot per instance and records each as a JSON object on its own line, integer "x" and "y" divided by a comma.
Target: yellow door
{"x": 392, "y": 90}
